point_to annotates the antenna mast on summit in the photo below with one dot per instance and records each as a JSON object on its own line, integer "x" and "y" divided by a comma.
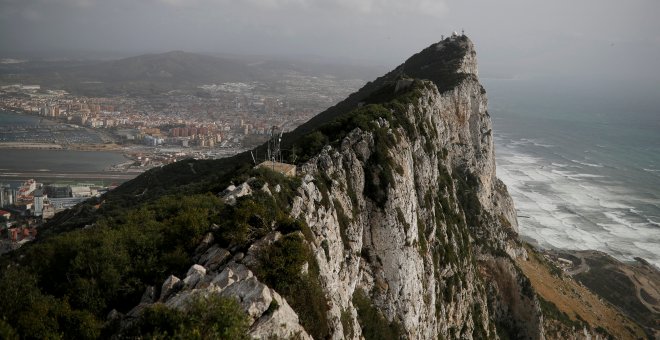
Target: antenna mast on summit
{"x": 278, "y": 150}
{"x": 274, "y": 144}
{"x": 270, "y": 139}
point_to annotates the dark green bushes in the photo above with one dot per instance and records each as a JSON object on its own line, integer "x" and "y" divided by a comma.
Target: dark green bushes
{"x": 281, "y": 268}
{"x": 211, "y": 317}
{"x": 80, "y": 275}
{"x": 25, "y": 311}
{"x": 372, "y": 321}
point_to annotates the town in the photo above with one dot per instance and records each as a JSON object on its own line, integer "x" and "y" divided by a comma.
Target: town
{"x": 24, "y": 207}
{"x": 212, "y": 121}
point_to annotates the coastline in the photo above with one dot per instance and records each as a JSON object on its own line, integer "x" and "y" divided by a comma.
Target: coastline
{"x": 72, "y": 147}
{"x": 62, "y": 175}
{"x": 53, "y": 146}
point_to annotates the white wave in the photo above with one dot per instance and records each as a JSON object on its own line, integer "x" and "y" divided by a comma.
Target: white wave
{"x": 652, "y": 247}
{"x": 655, "y": 223}
{"x": 574, "y": 175}
{"x": 587, "y": 164}
{"x": 615, "y": 205}
{"x": 572, "y": 210}
{"x": 543, "y": 145}
{"x": 585, "y": 176}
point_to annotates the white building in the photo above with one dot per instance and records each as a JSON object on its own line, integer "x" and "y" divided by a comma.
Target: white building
{"x": 38, "y": 207}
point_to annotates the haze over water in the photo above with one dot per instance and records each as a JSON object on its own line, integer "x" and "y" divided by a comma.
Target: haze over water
{"x": 584, "y": 172}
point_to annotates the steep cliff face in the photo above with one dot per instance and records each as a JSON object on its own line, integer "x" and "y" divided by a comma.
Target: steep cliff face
{"x": 410, "y": 228}
{"x": 432, "y": 247}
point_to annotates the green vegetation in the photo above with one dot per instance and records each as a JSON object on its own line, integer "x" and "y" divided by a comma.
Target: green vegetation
{"x": 402, "y": 219}
{"x": 620, "y": 289}
{"x": 281, "y": 267}
{"x": 346, "y": 323}
{"x": 343, "y": 221}
{"x": 479, "y": 331}
{"x": 372, "y": 321}
{"x": 383, "y": 104}
{"x": 421, "y": 236}
{"x": 75, "y": 278}
{"x": 69, "y": 282}
{"x": 211, "y": 317}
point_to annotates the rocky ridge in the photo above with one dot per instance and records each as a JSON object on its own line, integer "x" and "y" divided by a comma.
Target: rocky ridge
{"x": 406, "y": 217}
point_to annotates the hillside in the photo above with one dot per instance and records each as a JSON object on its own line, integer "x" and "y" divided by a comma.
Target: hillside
{"x": 395, "y": 226}
{"x": 141, "y": 75}
{"x": 176, "y": 70}
{"x": 173, "y": 66}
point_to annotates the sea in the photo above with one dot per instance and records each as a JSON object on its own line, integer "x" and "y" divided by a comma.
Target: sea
{"x": 13, "y": 162}
{"x": 583, "y": 168}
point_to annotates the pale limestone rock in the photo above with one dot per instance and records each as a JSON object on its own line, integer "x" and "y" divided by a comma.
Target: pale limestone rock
{"x": 232, "y": 273}
{"x": 114, "y": 315}
{"x": 206, "y": 242}
{"x": 149, "y": 295}
{"x": 238, "y": 257}
{"x": 237, "y": 281}
{"x": 405, "y": 282}
{"x": 283, "y": 323}
{"x": 194, "y": 275}
{"x": 232, "y": 193}
{"x": 265, "y": 189}
{"x": 253, "y": 296}
{"x": 214, "y": 257}
{"x": 251, "y": 258}
{"x": 169, "y": 286}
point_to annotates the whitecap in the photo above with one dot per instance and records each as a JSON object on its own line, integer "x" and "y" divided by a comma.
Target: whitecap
{"x": 576, "y": 210}
{"x": 587, "y": 164}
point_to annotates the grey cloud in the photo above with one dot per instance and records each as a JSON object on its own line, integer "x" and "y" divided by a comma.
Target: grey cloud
{"x": 513, "y": 37}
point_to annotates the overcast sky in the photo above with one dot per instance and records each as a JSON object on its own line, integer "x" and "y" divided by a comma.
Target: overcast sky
{"x": 604, "y": 38}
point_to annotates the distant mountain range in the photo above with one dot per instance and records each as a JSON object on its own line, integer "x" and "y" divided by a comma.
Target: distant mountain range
{"x": 176, "y": 66}
{"x": 156, "y": 73}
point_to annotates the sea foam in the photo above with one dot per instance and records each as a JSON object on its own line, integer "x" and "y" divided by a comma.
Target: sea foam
{"x": 568, "y": 206}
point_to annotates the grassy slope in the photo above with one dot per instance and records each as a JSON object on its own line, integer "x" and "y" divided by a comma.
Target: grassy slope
{"x": 576, "y": 300}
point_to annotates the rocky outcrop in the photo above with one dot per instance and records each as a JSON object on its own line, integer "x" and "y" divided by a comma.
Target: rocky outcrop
{"x": 406, "y": 211}
{"x": 270, "y": 315}
{"x": 422, "y": 254}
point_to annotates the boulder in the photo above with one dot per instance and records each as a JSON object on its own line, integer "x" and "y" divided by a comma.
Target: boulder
{"x": 194, "y": 275}
{"x": 256, "y": 248}
{"x": 280, "y": 323}
{"x": 232, "y": 273}
{"x": 171, "y": 285}
{"x": 206, "y": 242}
{"x": 254, "y": 296}
{"x": 214, "y": 257}
{"x": 149, "y": 295}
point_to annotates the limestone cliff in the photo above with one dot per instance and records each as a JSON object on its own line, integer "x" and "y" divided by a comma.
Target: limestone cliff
{"x": 434, "y": 249}
{"x": 407, "y": 224}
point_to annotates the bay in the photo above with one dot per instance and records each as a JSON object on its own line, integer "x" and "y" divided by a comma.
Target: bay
{"x": 21, "y": 164}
